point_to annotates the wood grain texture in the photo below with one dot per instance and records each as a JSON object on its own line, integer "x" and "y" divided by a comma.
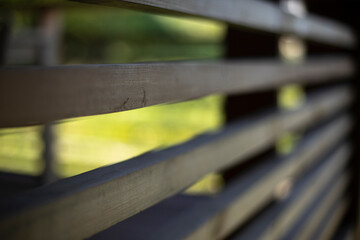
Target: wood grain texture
{"x": 274, "y": 217}
{"x": 333, "y": 197}
{"x": 216, "y": 219}
{"x": 98, "y": 199}
{"x": 43, "y": 94}
{"x": 254, "y": 14}
{"x": 293, "y": 211}
{"x": 332, "y": 221}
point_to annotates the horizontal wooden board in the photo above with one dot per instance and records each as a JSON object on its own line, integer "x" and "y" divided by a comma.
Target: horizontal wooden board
{"x": 227, "y": 218}
{"x": 171, "y": 220}
{"x": 311, "y": 217}
{"x": 328, "y": 178}
{"x": 254, "y": 14}
{"x": 229, "y": 206}
{"x": 331, "y": 199}
{"x": 38, "y": 95}
{"x": 153, "y": 218}
{"x": 291, "y": 214}
{"x": 331, "y": 220}
{"x": 217, "y": 218}
{"x": 100, "y": 198}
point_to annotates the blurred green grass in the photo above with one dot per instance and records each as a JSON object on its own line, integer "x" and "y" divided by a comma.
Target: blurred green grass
{"x": 110, "y": 35}
{"x": 20, "y": 150}
{"x": 95, "y": 141}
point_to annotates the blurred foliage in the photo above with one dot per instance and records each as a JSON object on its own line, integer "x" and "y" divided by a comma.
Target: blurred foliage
{"x": 20, "y": 150}
{"x": 292, "y": 49}
{"x": 210, "y": 184}
{"x": 290, "y": 97}
{"x": 98, "y": 24}
{"x": 287, "y": 142}
{"x": 110, "y": 35}
{"x": 95, "y": 141}
{"x": 34, "y": 4}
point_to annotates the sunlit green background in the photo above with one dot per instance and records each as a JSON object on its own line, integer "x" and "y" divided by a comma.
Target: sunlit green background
{"x": 109, "y": 35}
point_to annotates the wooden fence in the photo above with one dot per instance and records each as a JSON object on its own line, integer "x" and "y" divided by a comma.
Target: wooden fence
{"x": 141, "y": 198}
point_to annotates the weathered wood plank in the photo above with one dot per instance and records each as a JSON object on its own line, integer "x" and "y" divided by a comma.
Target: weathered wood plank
{"x": 254, "y": 14}
{"x": 44, "y": 94}
{"x": 330, "y": 194}
{"x": 331, "y": 221}
{"x": 229, "y": 206}
{"x": 311, "y": 218}
{"x": 217, "y": 218}
{"x": 314, "y": 221}
{"x": 257, "y": 184}
{"x": 100, "y": 198}
{"x": 227, "y": 220}
{"x": 152, "y": 219}
{"x": 291, "y": 214}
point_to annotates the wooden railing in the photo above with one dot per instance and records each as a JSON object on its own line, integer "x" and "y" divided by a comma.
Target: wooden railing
{"x": 106, "y": 202}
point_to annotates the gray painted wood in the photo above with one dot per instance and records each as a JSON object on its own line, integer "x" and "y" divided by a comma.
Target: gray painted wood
{"x": 39, "y": 95}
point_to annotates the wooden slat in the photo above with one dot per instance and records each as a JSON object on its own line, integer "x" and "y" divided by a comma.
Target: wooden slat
{"x": 230, "y": 206}
{"x": 43, "y": 94}
{"x": 292, "y": 212}
{"x": 314, "y": 221}
{"x": 103, "y": 197}
{"x": 153, "y": 218}
{"x": 217, "y": 218}
{"x": 312, "y": 216}
{"x": 254, "y": 14}
{"x": 332, "y": 220}
{"x": 330, "y": 194}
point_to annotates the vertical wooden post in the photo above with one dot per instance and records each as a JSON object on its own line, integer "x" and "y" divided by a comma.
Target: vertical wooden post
{"x": 50, "y": 26}
{"x": 241, "y": 44}
{"x": 50, "y": 31}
